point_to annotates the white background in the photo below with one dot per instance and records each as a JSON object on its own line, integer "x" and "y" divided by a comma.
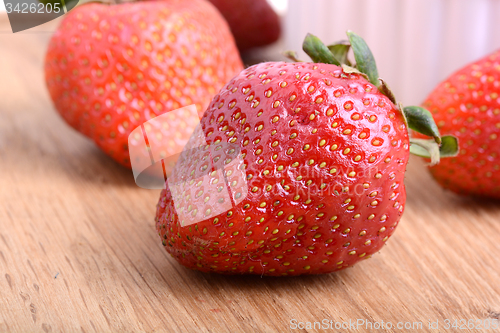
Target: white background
{"x": 416, "y": 43}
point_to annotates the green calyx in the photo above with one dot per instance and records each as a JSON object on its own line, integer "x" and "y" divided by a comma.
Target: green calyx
{"x": 416, "y": 118}
{"x": 340, "y": 52}
{"x": 292, "y": 55}
{"x": 420, "y": 120}
{"x": 430, "y": 149}
{"x": 318, "y": 51}
{"x": 365, "y": 61}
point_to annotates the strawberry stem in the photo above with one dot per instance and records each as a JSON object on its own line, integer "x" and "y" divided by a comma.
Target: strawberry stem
{"x": 430, "y": 149}
{"x": 292, "y": 55}
{"x": 425, "y": 148}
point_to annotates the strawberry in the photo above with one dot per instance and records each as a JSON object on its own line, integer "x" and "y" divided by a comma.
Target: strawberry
{"x": 299, "y": 169}
{"x": 111, "y": 68}
{"x": 253, "y": 22}
{"x": 467, "y": 105}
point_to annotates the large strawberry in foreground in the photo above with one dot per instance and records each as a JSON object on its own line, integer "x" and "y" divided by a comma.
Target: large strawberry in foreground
{"x": 110, "y": 68}
{"x": 467, "y": 105}
{"x": 308, "y": 161}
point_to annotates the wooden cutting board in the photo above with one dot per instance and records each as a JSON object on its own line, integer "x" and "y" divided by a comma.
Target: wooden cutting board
{"x": 79, "y": 252}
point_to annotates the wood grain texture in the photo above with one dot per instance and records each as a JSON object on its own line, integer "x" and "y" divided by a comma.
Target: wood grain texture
{"x": 79, "y": 251}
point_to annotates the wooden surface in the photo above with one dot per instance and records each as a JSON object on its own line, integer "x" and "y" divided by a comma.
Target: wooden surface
{"x": 79, "y": 252}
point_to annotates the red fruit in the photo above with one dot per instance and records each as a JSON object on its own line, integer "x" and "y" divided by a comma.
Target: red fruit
{"x": 318, "y": 184}
{"x": 467, "y": 105}
{"x": 111, "y": 68}
{"x": 252, "y": 22}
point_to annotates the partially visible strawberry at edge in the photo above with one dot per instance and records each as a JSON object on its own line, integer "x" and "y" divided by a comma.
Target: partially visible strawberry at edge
{"x": 467, "y": 105}
{"x": 110, "y": 68}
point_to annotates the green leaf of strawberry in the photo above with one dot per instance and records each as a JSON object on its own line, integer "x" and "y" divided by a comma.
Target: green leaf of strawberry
{"x": 420, "y": 120}
{"x": 340, "y": 52}
{"x": 365, "y": 61}
{"x": 318, "y": 51}
{"x": 449, "y": 146}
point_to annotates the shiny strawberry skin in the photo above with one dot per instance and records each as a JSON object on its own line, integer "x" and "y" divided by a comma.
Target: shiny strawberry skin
{"x": 111, "y": 68}
{"x": 325, "y": 155}
{"x": 467, "y": 105}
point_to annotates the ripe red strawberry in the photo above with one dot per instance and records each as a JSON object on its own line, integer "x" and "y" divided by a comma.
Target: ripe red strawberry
{"x": 111, "y": 68}
{"x": 252, "y": 22}
{"x": 318, "y": 185}
{"x": 467, "y": 105}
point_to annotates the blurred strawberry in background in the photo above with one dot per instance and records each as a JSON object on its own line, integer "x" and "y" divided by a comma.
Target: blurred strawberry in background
{"x": 253, "y": 22}
{"x": 467, "y": 105}
{"x": 110, "y": 68}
